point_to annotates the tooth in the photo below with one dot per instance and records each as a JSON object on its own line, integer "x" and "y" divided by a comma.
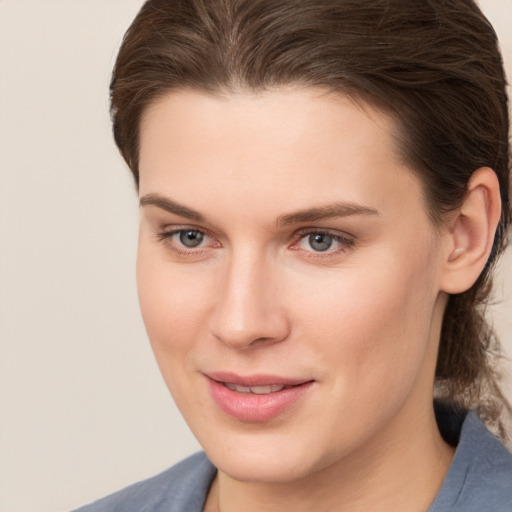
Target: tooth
{"x": 237, "y": 387}
{"x": 265, "y": 390}
{"x": 242, "y": 389}
{"x": 257, "y": 390}
{"x": 261, "y": 390}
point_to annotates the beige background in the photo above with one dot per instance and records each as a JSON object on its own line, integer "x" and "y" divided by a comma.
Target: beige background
{"x": 83, "y": 408}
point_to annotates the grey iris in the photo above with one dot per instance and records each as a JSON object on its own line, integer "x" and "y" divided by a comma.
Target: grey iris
{"x": 320, "y": 242}
{"x": 191, "y": 238}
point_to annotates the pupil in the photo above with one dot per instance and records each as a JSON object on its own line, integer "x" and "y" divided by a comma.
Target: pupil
{"x": 320, "y": 242}
{"x": 191, "y": 238}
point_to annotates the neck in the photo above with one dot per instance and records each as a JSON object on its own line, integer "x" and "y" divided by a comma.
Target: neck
{"x": 393, "y": 472}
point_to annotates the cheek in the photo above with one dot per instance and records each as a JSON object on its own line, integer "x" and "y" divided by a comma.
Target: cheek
{"x": 172, "y": 304}
{"x": 376, "y": 322}
{"x": 171, "y": 301}
{"x": 372, "y": 342}
{"x": 399, "y": 334}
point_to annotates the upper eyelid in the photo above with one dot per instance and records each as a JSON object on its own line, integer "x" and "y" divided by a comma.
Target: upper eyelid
{"x": 325, "y": 231}
{"x": 168, "y": 230}
{"x": 161, "y": 221}
{"x": 174, "y": 231}
{"x": 171, "y": 229}
{"x": 174, "y": 226}
{"x": 165, "y": 237}
{"x": 344, "y": 240}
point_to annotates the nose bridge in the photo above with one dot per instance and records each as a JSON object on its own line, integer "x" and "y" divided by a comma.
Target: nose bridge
{"x": 248, "y": 307}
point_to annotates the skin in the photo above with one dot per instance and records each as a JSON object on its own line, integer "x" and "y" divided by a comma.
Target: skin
{"x": 361, "y": 319}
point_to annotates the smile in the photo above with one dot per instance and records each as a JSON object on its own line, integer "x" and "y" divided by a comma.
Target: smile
{"x": 257, "y": 398}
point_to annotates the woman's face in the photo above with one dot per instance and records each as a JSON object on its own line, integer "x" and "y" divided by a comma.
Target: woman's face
{"x": 289, "y": 278}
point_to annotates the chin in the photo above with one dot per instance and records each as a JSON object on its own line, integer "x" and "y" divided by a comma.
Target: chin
{"x": 276, "y": 469}
{"x": 266, "y": 457}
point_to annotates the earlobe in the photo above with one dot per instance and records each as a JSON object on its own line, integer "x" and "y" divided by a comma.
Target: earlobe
{"x": 470, "y": 234}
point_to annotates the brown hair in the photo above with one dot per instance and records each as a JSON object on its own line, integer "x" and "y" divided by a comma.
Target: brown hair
{"x": 434, "y": 65}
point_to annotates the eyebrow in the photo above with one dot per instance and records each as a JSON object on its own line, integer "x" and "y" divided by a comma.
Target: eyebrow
{"x": 327, "y": 211}
{"x": 171, "y": 206}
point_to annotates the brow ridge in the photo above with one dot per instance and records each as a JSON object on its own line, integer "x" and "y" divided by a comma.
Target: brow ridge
{"x": 343, "y": 209}
{"x": 327, "y": 211}
{"x": 171, "y": 206}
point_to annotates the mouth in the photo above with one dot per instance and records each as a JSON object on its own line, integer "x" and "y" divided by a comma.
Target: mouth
{"x": 256, "y": 398}
{"x": 257, "y": 390}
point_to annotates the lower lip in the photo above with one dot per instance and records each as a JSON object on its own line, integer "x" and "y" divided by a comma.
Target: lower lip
{"x": 253, "y": 407}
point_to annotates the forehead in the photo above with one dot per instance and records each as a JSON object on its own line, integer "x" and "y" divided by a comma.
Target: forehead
{"x": 272, "y": 109}
{"x": 285, "y": 145}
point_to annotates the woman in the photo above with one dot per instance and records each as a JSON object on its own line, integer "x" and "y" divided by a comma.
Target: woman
{"x": 324, "y": 188}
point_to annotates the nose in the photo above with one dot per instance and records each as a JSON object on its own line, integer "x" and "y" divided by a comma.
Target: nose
{"x": 248, "y": 310}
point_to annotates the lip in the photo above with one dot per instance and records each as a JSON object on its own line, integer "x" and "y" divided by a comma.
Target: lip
{"x": 252, "y": 407}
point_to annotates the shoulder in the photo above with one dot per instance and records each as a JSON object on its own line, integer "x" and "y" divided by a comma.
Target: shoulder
{"x": 490, "y": 466}
{"x": 480, "y": 476}
{"x": 182, "y": 487}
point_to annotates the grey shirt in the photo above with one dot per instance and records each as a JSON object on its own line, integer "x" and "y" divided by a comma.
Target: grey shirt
{"x": 479, "y": 478}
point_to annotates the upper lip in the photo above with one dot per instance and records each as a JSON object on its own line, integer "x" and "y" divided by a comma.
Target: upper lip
{"x": 255, "y": 380}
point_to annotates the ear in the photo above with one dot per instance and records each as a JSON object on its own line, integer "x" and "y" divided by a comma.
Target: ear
{"x": 470, "y": 232}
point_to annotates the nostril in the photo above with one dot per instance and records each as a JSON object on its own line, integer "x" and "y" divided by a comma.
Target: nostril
{"x": 245, "y": 338}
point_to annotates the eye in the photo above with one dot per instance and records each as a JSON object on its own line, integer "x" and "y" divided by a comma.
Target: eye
{"x": 323, "y": 242}
{"x": 319, "y": 242}
{"x": 186, "y": 240}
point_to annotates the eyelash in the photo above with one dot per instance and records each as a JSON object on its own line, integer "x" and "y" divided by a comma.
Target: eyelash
{"x": 344, "y": 242}
{"x": 166, "y": 238}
